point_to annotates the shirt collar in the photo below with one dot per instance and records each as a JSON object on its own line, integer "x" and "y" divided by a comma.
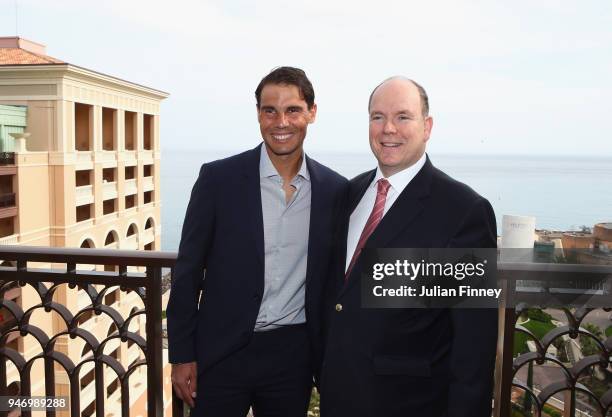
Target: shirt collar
{"x": 267, "y": 169}
{"x": 400, "y": 180}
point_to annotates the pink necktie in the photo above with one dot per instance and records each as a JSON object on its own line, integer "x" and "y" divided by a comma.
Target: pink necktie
{"x": 375, "y": 218}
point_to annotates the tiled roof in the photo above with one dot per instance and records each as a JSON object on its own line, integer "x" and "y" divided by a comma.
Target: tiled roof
{"x": 17, "y": 56}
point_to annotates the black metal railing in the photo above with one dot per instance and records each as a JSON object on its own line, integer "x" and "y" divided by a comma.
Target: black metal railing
{"x": 566, "y": 391}
{"x": 7, "y": 200}
{"x": 7, "y": 158}
{"x": 49, "y": 282}
{"x": 562, "y": 389}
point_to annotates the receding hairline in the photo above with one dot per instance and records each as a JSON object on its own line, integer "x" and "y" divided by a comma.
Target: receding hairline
{"x": 422, "y": 93}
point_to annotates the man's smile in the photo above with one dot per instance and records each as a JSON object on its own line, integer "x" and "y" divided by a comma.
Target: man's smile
{"x": 281, "y": 137}
{"x": 391, "y": 144}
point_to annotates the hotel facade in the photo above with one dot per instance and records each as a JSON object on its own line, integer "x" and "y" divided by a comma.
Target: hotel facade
{"x": 79, "y": 167}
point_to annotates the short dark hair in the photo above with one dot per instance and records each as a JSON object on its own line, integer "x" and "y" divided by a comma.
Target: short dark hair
{"x": 289, "y": 76}
{"x": 422, "y": 94}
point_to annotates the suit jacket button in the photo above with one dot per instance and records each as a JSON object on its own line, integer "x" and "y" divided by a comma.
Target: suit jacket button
{"x": 338, "y": 307}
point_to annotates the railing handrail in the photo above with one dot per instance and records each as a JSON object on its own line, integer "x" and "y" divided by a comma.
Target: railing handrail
{"x": 505, "y": 267}
{"x": 167, "y": 259}
{"x": 117, "y": 257}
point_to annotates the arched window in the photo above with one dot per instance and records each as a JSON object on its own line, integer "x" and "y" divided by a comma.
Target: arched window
{"x": 132, "y": 230}
{"x": 88, "y": 243}
{"x": 111, "y": 237}
{"x": 149, "y": 223}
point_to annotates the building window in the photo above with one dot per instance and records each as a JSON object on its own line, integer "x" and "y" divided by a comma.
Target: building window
{"x": 130, "y": 201}
{"x": 131, "y": 230}
{"x": 108, "y": 174}
{"x": 83, "y": 212}
{"x": 83, "y": 126}
{"x": 83, "y": 177}
{"x": 87, "y": 243}
{"x": 83, "y": 319}
{"x": 111, "y": 297}
{"x": 148, "y": 132}
{"x": 130, "y": 130}
{"x": 149, "y": 223}
{"x": 148, "y": 197}
{"x": 109, "y": 121}
{"x": 111, "y": 237}
{"x": 130, "y": 173}
{"x": 7, "y": 227}
{"x": 148, "y": 170}
{"x": 149, "y": 246}
{"x": 109, "y": 206}
{"x": 6, "y": 184}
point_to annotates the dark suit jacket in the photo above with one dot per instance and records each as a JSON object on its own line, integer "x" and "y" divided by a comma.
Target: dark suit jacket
{"x": 412, "y": 362}
{"x": 223, "y": 234}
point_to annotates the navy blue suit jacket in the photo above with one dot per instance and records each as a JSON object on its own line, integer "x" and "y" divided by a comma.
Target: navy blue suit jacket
{"x": 223, "y": 235}
{"x": 412, "y": 362}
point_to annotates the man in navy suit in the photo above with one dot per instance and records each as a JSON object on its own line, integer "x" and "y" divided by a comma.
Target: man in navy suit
{"x": 247, "y": 291}
{"x": 407, "y": 362}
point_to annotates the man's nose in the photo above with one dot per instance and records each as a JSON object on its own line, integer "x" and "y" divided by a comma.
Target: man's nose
{"x": 282, "y": 120}
{"x": 389, "y": 127}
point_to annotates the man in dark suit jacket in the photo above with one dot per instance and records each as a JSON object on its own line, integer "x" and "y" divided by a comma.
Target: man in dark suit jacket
{"x": 407, "y": 362}
{"x": 246, "y": 333}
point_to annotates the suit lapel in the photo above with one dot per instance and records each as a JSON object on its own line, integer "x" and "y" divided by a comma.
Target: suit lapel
{"x": 357, "y": 189}
{"x": 254, "y": 213}
{"x": 398, "y": 218}
{"x": 316, "y": 211}
{"x": 360, "y": 188}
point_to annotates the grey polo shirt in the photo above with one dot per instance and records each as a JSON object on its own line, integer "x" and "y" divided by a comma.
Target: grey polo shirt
{"x": 286, "y": 227}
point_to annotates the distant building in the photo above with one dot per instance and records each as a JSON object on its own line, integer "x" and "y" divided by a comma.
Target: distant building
{"x": 79, "y": 167}
{"x": 602, "y": 232}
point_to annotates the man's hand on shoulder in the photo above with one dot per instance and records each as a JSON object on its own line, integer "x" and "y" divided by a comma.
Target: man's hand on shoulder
{"x": 184, "y": 380}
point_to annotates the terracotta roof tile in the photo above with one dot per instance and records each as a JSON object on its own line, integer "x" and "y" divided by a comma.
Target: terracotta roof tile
{"x": 16, "y": 56}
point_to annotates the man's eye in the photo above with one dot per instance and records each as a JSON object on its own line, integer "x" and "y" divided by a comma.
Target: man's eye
{"x": 269, "y": 111}
{"x": 376, "y": 117}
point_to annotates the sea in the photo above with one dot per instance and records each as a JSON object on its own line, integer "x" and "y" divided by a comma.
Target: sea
{"x": 561, "y": 192}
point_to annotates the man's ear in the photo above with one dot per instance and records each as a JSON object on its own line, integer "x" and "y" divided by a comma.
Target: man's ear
{"x": 313, "y": 113}
{"x": 428, "y": 122}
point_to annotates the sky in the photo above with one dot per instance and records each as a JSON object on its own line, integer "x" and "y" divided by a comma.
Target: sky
{"x": 521, "y": 77}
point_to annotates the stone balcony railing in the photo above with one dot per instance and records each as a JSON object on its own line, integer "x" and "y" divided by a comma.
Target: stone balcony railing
{"x": 148, "y": 235}
{"x": 130, "y": 187}
{"x": 109, "y": 190}
{"x": 9, "y": 240}
{"x": 131, "y": 242}
{"x": 84, "y": 195}
{"x": 146, "y": 156}
{"x": 84, "y": 159}
{"x": 147, "y": 183}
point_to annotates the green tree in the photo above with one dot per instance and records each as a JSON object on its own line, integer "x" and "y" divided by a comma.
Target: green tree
{"x": 587, "y": 344}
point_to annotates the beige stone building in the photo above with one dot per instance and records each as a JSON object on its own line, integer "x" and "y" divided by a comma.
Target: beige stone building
{"x": 79, "y": 167}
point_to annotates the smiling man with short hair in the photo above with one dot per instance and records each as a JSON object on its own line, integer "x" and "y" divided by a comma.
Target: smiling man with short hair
{"x": 248, "y": 333}
{"x": 407, "y": 362}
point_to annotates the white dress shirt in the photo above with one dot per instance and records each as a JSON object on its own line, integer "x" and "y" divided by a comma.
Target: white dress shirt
{"x": 360, "y": 215}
